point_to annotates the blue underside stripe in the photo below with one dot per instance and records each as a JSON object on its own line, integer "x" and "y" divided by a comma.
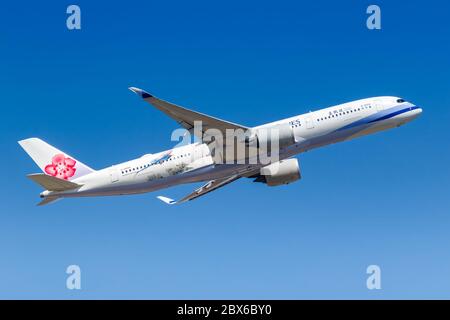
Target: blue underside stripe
{"x": 382, "y": 115}
{"x": 393, "y": 114}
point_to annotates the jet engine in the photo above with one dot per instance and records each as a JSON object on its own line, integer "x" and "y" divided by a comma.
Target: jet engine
{"x": 279, "y": 173}
{"x": 268, "y": 137}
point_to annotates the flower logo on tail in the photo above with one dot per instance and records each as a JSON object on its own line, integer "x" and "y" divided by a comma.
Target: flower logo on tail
{"x": 61, "y": 167}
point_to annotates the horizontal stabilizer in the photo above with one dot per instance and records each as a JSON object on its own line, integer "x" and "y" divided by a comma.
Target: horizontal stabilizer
{"x": 53, "y": 184}
{"x": 48, "y": 200}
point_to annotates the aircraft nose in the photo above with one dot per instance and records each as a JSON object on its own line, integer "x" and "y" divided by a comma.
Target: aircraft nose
{"x": 414, "y": 112}
{"x": 417, "y": 110}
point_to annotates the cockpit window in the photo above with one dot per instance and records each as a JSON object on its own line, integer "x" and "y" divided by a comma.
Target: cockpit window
{"x": 400, "y": 100}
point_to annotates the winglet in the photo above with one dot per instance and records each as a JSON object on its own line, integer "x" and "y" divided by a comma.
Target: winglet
{"x": 143, "y": 94}
{"x": 166, "y": 200}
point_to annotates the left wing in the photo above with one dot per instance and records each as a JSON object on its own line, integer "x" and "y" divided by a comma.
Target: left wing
{"x": 208, "y": 187}
{"x": 186, "y": 117}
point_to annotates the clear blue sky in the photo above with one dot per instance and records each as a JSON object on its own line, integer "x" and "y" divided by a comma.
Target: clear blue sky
{"x": 382, "y": 199}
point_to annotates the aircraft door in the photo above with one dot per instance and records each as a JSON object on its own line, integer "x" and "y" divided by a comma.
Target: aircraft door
{"x": 378, "y": 105}
{"x": 114, "y": 174}
{"x": 197, "y": 152}
{"x": 309, "y": 123}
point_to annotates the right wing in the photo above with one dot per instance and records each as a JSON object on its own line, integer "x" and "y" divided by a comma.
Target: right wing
{"x": 186, "y": 117}
{"x": 208, "y": 187}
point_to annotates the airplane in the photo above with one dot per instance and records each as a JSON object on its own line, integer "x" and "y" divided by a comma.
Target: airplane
{"x": 66, "y": 177}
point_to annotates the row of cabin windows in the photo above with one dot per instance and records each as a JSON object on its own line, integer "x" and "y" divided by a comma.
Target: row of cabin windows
{"x": 153, "y": 163}
{"x": 344, "y": 113}
{"x": 337, "y": 115}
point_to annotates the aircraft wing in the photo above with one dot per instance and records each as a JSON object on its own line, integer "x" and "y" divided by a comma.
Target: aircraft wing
{"x": 186, "y": 117}
{"x": 208, "y": 187}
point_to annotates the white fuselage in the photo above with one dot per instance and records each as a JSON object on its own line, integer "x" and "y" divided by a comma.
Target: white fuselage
{"x": 194, "y": 163}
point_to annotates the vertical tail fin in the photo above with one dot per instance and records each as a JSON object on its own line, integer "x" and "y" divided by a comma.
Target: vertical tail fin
{"x": 52, "y": 161}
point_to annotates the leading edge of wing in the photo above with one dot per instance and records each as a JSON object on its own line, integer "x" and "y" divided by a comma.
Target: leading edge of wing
{"x": 185, "y": 117}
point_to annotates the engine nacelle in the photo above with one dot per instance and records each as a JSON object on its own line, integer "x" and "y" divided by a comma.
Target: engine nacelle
{"x": 281, "y": 172}
{"x": 266, "y": 138}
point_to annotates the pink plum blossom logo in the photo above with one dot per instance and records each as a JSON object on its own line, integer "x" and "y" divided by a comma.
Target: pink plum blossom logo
{"x": 61, "y": 167}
